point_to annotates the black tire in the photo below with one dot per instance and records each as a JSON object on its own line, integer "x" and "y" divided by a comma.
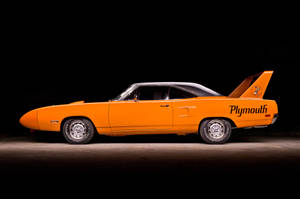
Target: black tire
{"x": 78, "y": 130}
{"x": 215, "y": 131}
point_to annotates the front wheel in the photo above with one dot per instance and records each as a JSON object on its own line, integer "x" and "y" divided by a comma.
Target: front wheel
{"x": 215, "y": 131}
{"x": 78, "y": 130}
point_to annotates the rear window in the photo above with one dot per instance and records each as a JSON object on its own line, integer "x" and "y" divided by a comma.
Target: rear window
{"x": 176, "y": 93}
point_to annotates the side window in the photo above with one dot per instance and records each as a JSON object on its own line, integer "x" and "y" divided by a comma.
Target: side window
{"x": 153, "y": 93}
{"x": 176, "y": 93}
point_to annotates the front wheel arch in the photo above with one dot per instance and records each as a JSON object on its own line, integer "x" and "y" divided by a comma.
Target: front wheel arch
{"x": 75, "y": 117}
{"x": 77, "y": 130}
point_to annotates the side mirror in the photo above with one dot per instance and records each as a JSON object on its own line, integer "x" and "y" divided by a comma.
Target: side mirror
{"x": 135, "y": 98}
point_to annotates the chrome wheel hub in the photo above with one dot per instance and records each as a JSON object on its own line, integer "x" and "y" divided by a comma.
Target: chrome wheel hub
{"x": 77, "y": 130}
{"x": 216, "y": 129}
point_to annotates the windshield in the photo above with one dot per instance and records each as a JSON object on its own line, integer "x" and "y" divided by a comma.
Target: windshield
{"x": 127, "y": 92}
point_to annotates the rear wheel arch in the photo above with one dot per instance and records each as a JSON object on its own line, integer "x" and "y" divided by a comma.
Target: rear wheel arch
{"x": 233, "y": 125}
{"x": 215, "y": 130}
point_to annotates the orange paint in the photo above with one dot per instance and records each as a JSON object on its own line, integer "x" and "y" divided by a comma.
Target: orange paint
{"x": 244, "y": 107}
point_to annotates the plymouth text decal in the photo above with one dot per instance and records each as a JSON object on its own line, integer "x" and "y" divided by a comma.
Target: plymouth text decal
{"x": 235, "y": 109}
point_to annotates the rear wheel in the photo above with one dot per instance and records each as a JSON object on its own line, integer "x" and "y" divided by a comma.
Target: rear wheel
{"x": 215, "y": 131}
{"x": 78, "y": 130}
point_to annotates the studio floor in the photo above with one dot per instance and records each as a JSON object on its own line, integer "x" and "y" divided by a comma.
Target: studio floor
{"x": 46, "y": 152}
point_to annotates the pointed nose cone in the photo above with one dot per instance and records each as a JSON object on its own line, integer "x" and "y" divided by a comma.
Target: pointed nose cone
{"x": 30, "y": 120}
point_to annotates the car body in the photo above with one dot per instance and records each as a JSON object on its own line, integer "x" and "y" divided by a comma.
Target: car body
{"x": 162, "y": 108}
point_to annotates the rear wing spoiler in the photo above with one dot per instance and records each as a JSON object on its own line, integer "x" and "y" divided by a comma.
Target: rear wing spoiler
{"x": 253, "y": 86}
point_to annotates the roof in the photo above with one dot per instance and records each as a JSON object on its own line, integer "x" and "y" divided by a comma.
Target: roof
{"x": 165, "y": 83}
{"x": 176, "y": 84}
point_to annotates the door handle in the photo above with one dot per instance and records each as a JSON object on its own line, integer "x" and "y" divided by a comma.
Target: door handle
{"x": 164, "y": 105}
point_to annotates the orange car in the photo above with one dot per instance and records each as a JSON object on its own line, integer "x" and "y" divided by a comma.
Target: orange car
{"x": 162, "y": 108}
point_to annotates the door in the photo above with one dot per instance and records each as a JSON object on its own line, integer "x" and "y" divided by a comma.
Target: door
{"x": 148, "y": 111}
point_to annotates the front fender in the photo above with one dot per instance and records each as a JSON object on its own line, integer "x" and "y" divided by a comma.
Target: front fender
{"x": 50, "y": 118}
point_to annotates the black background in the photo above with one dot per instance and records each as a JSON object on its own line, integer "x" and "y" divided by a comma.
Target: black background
{"x": 56, "y": 54}
{"x": 56, "y": 57}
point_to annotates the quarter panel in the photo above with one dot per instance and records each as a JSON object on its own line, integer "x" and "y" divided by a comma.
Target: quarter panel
{"x": 243, "y": 112}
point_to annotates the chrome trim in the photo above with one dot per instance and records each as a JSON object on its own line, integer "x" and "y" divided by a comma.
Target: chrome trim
{"x": 275, "y": 117}
{"x": 188, "y": 107}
